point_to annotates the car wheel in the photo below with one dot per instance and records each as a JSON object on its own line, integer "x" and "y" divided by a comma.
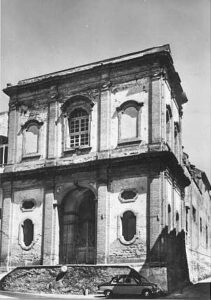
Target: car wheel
{"x": 108, "y": 293}
{"x": 146, "y": 293}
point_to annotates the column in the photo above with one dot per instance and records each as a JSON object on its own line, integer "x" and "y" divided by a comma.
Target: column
{"x": 6, "y": 228}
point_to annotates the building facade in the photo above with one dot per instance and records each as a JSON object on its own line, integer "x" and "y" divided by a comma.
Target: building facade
{"x": 95, "y": 171}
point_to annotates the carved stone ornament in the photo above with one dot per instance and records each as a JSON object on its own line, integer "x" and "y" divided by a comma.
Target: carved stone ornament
{"x": 31, "y": 120}
{"x": 78, "y": 101}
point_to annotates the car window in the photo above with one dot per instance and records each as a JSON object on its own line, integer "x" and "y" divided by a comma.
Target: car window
{"x": 144, "y": 280}
{"x": 121, "y": 280}
{"x": 114, "y": 280}
{"x": 130, "y": 280}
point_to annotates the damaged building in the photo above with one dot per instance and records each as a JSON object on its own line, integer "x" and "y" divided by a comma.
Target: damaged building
{"x": 96, "y": 172}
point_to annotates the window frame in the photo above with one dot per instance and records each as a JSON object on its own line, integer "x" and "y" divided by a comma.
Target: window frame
{"x": 21, "y": 235}
{"x": 120, "y": 111}
{"x": 28, "y": 209}
{"x": 80, "y": 132}
{"x": 121, "y": 199}
{"x": 76, "y": 102}
{"x": 120, "y": 228}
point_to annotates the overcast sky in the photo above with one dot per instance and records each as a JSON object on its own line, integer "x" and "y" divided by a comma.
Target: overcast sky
{"x": 42, "y": 36}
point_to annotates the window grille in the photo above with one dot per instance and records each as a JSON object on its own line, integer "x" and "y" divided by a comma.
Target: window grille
{"x": 79, "y": 128}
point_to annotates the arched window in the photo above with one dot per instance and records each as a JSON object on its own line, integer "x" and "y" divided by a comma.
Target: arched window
{"x": 128, "y": 225}
{"x": 77, "y": 123}
{"x": 79, "y": 128}
{"x": 129, "y": 116}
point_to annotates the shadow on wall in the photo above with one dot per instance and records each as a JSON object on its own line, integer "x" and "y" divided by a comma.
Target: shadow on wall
{"x": 167, "y": 260}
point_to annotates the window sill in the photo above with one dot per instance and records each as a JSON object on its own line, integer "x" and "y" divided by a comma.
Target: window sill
{"x": 78, "y": 150}
{"x": 124, "y": 242}
{"x": 31, "y": 156}
{"x": 126, "y": 142}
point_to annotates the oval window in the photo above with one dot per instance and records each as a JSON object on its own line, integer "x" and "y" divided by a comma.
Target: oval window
{"x": 128, "y": 194}
{"x": 28, "y": 232}
{"x": 28, "y": 204}
{"x": 128, "y": 225}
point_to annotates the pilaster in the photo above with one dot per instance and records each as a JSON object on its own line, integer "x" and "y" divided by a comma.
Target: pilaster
{"x": 102, "y": 219}
{"x": 12, "y": 134}
{"x": 6, "y": 227}
{"x": 104, "y": 119}
{"x": 48, "y": 217}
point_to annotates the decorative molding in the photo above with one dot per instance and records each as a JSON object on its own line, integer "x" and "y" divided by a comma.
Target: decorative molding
{"x": 28, "y": 209}
{"x": 119, "y": 229}
{"x": 133, "y": 199}
{"x": 32, "y": 120}
{"x": 20, "y": 236}
{"x": 77, "y": 101}
{"x": 143, "y": 84}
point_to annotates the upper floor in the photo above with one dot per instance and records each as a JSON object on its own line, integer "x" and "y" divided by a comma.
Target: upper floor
{"x": 122, "y": 106}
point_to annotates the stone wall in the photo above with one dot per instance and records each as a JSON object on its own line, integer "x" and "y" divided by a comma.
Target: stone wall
{"x": 52, "y": 280}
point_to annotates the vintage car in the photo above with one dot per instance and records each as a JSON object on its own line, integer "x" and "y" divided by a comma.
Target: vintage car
{"x": 129, "y": 285}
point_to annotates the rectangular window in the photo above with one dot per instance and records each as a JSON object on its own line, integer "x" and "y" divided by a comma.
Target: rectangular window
{"x": 0, "y": 214}
{"x": 194, "y": 213}
{"x": 3, "y": 154}
{"x": 79, "y": 128}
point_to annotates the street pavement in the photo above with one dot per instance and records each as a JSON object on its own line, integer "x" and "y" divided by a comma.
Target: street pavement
{"x": 200, "y": 291}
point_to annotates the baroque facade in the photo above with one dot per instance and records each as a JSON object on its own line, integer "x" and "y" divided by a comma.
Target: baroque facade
{"x": 96, "y": 172}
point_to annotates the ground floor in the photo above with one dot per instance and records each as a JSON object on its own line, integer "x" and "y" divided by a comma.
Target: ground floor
{"x": 128, "y": 213}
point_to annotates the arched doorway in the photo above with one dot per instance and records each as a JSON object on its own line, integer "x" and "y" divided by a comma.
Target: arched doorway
{"x": 77, "y": 227}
